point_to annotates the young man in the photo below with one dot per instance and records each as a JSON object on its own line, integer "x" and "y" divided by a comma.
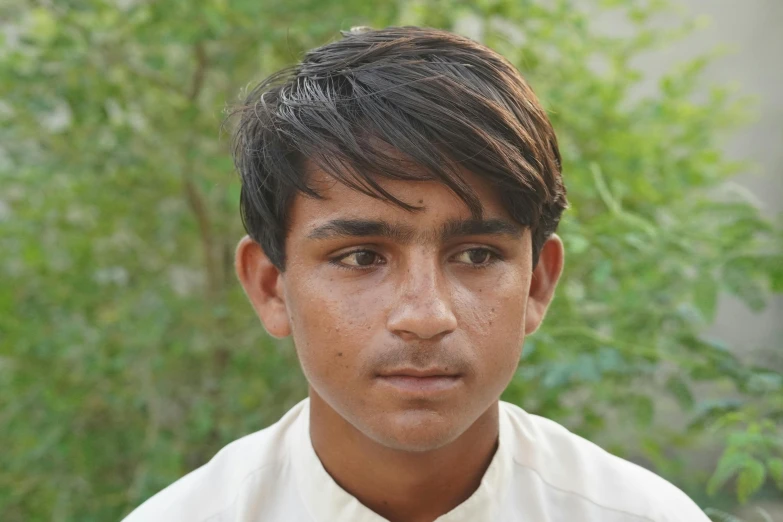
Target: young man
{"x": 401, "y": 190}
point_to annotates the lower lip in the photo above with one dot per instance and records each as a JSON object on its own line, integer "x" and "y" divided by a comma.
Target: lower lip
{"x": 421, "y": 385}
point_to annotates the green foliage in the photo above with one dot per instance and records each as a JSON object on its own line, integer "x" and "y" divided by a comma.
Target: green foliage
{"x": 752, "y": 453}
{"x": 131, "y": 355}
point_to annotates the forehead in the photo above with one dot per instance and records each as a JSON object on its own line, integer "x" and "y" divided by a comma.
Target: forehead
{"x": 437, "y": 201}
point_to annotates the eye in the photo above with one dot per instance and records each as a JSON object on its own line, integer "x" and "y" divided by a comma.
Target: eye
{"x": 358, "y": 259}
{"x": 477, "y": 257}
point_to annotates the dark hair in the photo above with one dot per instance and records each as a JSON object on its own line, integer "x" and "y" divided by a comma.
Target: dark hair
{"x": 356, "y": 106}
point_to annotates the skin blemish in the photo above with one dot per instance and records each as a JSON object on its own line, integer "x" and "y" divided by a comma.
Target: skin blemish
{"x": 339, "y": 354}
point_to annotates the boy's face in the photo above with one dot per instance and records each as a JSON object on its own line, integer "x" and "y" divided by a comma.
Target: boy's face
{"x": 407, "y": 324}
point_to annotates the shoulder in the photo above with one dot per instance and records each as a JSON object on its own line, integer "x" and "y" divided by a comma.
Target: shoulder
{"x": 207, "y": 492}
{"x": 576, "y": 467}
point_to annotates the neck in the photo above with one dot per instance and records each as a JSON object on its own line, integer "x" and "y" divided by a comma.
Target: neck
{"x": 401, "y": 485}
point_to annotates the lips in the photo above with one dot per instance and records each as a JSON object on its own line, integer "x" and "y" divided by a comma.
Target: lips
{"x": 420, "y": 381}
{"x": 419, "y": 373}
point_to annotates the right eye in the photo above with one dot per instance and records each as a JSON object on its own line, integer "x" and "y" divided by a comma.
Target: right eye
{"x": 358, "y": 259}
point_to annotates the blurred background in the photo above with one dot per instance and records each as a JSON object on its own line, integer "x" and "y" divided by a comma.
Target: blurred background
{"x": 129, "y": 355}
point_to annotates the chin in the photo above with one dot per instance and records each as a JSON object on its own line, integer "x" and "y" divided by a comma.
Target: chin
{"x": 414, "y": 430}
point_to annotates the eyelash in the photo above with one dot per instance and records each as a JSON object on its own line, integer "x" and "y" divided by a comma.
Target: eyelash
{"x": 494, "y": 258}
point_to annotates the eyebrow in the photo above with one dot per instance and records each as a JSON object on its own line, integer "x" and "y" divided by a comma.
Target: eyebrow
{"x": 452, "y": 229}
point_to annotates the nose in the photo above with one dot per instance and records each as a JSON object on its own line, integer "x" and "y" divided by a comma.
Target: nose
{"x": 422, "y": 305}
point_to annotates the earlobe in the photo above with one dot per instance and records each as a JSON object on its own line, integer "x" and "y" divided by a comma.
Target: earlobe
{"x": 543, "y": 282}
{"x": 262, "y": 282}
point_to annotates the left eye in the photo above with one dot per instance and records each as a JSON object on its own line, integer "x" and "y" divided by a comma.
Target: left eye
{"x": 476, "y": 257}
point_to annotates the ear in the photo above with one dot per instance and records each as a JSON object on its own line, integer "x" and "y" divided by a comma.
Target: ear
{"x": 543, "y": 282}
{"x": 263, "y": 284}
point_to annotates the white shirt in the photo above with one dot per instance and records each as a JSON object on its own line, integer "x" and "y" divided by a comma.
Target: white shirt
{"x": 541, "y": 472}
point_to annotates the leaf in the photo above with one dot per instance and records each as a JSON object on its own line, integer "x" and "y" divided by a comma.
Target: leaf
{"x": 641, "y": 408}
{"x": 748, "y": 286}
{"x": 603, "y": 189}
{"x": 729, "y": 464}
{"x": 750, "y": 479}
{"x": 765, "y": 382}
{"x": 679, "y": 389}
{"x": 775, "y": 468}
{"x": 705, "y": 297}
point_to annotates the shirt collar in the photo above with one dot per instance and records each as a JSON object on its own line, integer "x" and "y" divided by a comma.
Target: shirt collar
{"x": 327, "y": 501}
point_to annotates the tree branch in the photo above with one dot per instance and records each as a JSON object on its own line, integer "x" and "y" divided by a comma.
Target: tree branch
{"x": 200, "y": 210}
{"x": 192, "y": 194}
{"x": 197, "y": 82}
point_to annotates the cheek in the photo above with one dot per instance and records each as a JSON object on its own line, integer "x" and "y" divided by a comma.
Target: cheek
{"x": 329, "y": 327}
{"x": 493, "y": 316}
